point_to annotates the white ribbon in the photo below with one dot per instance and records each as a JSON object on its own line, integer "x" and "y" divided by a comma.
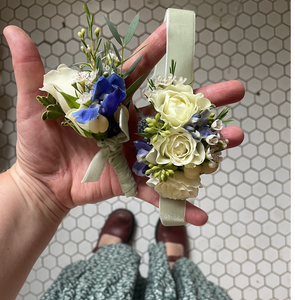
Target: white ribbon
{"x": 111, "y": 150}
{"x": 180, "y": 47}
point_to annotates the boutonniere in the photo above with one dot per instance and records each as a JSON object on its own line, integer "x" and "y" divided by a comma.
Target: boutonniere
{"x": 91, "y": 99}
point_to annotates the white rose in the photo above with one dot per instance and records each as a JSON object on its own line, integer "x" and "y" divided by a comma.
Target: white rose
{"x": 177, "y": 103}
{"x": 60, "y": 80}
{"x": 178, "y": 187}
{"x": 178, "y": 147}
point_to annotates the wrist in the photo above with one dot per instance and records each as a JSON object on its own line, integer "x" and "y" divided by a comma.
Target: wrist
{"x": 38, "y": 195}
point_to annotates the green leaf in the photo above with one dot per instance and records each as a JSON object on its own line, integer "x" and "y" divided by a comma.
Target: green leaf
{"x": 223, "y": 113}
{"x": 70, "y": 100}
{"x": 44, "y": 116}
{"x": 86, "y": 9}
{"x": 227, "y": 121}
{"x": 100, "y": 136}
{"x": 54, "y": 111}
{"x": 46, "y": 100}
{"x": 139, "y": 112}
{"x": 113, "y": 30}
{"x": 117, "y": 52}
{"x": 131, "y": 30}
{"x": 136, "y": 84}
{"x": 100, "y": 68}
{"x": 133, "y": 66}
{"x": 97, "y": 62}
{"x": 145, "y": 134}
{"x": 127, "y": 103}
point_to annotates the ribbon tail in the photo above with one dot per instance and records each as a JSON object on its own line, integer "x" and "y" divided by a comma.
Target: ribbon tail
{"x": 172, "y": 212}
{"x": 121, "y": 167}
{"x": 97, "y": 165}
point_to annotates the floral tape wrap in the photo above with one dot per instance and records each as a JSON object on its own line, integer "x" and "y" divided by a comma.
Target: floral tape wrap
{"x": 111, "y": 150}
{"x": 180, "y": 47}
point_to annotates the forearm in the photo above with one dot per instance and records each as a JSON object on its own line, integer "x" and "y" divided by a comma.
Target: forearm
{"x": 28, "y": 220}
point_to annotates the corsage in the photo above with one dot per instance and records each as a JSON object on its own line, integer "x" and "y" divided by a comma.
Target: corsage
{"x": 182, "y": 139}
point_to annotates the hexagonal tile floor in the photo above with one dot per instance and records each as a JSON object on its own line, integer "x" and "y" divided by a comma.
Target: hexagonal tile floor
{"x": 245, "y": 246}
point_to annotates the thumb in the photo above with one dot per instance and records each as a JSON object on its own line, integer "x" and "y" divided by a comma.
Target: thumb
{"x": 28, "y": 69}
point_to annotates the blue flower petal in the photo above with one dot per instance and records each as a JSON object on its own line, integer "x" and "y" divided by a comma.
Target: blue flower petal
{"x": 83, "y": 116}
{"x": 139, "y": 169}
{"x": 141, "y": 155}
{"x": 100, "y": 87}
{"x": 112, "y": 101}
{"x": 115, "y": 79}
{"x": 205, "y": 131}
{"x": 141, "y": 144}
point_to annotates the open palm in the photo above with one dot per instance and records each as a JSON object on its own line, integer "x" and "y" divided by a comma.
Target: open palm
{"x": 57, "y": 157}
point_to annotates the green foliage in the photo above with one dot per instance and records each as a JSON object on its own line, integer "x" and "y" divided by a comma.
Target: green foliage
{"x": 173, "y": 67}
{"x": 162, "y": 172}
{"x": 71, "y": 101}
{"x": 136, "y": 84}
{"x": 53, "y": 111}
{"x": 131, "y": 30}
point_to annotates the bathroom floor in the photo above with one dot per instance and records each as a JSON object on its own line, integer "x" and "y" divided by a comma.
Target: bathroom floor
{"x": 245, "y": 246}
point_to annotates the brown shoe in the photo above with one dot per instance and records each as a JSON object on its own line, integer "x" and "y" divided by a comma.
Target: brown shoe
{"x": 171, "y": 234}
{"x": 120, "y": 224}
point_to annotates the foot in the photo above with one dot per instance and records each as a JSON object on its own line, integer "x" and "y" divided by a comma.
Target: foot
{"x": 118, "y": 228}
{"x": 174, "y": 238}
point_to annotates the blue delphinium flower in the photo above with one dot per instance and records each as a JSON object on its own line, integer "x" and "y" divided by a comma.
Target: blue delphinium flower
{"x": 142, "y": 148}
{"x": 198, "y": 127}
{"x": 108, "y": 93}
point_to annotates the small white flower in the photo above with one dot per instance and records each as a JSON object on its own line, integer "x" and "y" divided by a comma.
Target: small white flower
{"x": 91, "y": 78}
{"x": 179, "y": 80}
{"x": 80, "y": 77}
{"x": 217, "y": 125}
{"x": 85, "y": 97}
{"x": 212, "y": 139}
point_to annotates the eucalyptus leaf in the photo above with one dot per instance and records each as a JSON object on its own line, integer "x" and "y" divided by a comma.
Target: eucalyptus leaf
{"x": 100, "y": 68}
{"x": 133, "y": 66}
{"x": 71, "y": 101}
{"x": 113, "y": 31}
{"x": 117, "y": 52}
{"x": 136, "y": 84}
{"x": 54, "y": 111}
{"x": 131, "y": 30}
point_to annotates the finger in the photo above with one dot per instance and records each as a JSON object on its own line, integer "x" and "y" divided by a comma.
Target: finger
{"x": 28, "y": 69}
{"x": 194, "y": 215}
{"x": 155, "y": 47}
{"x": 223, "y": 93}
{"x": 234, "y": 134}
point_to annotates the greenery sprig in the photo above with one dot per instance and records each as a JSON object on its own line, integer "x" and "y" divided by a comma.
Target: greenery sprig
{"x": 162, "y": 172}
{"x": 156, "y": 127}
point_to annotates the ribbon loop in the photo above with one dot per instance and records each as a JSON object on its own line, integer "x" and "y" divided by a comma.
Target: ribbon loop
{"x": 180, "y": 47}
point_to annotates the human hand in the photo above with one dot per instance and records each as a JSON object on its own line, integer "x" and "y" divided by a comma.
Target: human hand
{"x": 55, "y": 158}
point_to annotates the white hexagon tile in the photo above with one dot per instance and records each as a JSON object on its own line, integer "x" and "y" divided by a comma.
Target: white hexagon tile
{"x": 245, "y": 246}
